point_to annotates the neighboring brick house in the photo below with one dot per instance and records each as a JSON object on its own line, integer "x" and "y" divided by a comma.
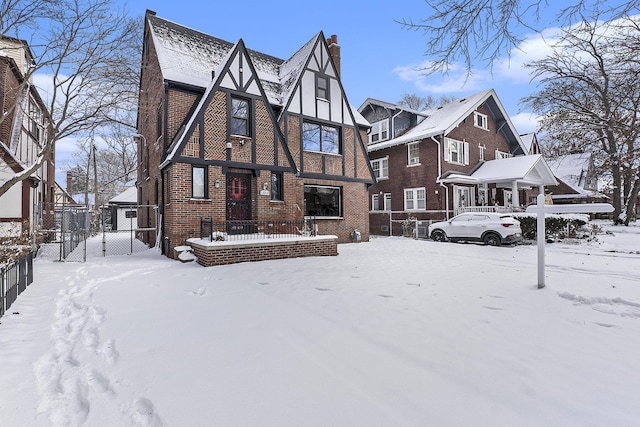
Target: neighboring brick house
{"x": 24, "y": 128}
{"x": 460, "y": 156}
{"x": 234, "y": 134}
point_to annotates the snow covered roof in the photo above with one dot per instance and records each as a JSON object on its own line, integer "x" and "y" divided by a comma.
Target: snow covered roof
{"x": 442, "y": 120}
{"x": 572, "y": 169}
{"x": 128, "y": 196}
{"x": 527, "y": 140}
{"x": 527, "y": 170}
{"x": 10, "y": 159}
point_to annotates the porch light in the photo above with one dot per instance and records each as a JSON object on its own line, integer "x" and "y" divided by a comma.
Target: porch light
{"x": 217, "y": 183}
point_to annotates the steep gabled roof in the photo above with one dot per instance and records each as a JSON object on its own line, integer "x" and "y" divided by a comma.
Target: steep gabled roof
{"x": 388, "y": 105}
{"x": 572, "y": 169}
{"x": 444, "y": 119}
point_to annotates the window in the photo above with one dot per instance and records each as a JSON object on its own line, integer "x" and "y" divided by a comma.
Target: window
{"x": 239, "y": 117}
{"x": 502, "y": 155}
{"x": 379, "y": 131}
{"x": 415, "y": 199}
{"x": 317, "y": 137}
{"x": 375, "y": 202}
{"x": 322, "y": 87}
{"x": 456, "y": 151}
{"x": 481, "y": 149}
{"x": 480, "y": 120}
{"x": 380, "y": 168}
{"x": 276, "y": 186}
{"x": 322, "y": 200}
{"x": 199, "y": 182}
{"x": 387, "y": 201}
{"x": 413, "y": 152}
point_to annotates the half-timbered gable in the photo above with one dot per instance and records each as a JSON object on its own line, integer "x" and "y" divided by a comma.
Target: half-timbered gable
{"x": 242, "y": 135}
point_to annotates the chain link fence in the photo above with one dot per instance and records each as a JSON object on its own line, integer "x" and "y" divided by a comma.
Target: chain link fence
{"x": 128, "y": 229}
{"x": 63, "y": 231}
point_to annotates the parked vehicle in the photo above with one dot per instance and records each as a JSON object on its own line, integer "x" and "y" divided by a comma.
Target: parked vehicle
{"x": 488, "y": 227}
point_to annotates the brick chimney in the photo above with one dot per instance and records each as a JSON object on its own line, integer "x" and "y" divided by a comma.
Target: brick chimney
{"x": 334, "y": 51}
{"x": 69, "y": 182}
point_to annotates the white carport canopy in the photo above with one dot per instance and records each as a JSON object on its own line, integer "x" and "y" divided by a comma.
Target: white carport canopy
{"x": 520, "y": 172}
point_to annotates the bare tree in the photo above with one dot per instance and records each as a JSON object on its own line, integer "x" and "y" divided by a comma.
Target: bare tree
{"x": 419, "y": 103}
{"x": 590, "y": 101}
{"x": 88, "y": 49}
{"x": 485, "y": 30}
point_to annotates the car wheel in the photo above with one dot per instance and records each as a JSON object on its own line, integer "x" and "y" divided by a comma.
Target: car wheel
{"x": 438, "y": 236}
{"x": 492, "y": 239}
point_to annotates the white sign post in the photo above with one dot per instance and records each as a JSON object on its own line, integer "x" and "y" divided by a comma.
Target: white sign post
{"x": 541, "y": 209}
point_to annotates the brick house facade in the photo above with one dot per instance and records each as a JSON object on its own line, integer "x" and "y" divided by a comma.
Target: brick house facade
{"x": 436, "y": 167}
{"x": 233, "y": 134}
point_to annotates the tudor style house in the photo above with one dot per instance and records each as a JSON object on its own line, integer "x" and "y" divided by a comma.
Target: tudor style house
{"x": 431, "y": 165}
{"x": 229, "y": 133}
{"x": 24, "y": 127}
{"x": 577, "y": 180}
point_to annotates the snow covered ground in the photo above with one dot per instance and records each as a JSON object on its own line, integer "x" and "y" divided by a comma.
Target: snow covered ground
{"x": 393, "y": 332}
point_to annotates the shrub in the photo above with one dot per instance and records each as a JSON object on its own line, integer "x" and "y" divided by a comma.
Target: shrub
{"x": 556, "y": 226}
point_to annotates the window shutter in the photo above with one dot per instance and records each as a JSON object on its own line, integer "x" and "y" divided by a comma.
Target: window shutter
{"x": 466, "y": 152}
{"x": 446, "y": 149}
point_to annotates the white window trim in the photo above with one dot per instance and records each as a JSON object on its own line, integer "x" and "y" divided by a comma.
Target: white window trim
{"x": 482, "y": 150}
{"x": 378, "y": 128}
{"x": 381, "y": 170}
{"x": 414, "y": 192}
{"x": 483, "y": 123}
{"x": 387, "y": 198}
{"x": 375, "y": 202}
{"x": 449, "y": 143}
{"x": 416, "y": 160}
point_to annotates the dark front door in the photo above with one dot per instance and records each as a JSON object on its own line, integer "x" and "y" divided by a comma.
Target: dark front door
{"x": 238, "y": 203}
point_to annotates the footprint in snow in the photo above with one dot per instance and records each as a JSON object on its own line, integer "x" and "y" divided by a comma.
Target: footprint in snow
{"x": 144, "y": 414}
{"x": 322, "y": 289}
{"x": 199, "y": 293}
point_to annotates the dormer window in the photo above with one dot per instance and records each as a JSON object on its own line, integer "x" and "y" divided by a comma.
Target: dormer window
{"x": 379, "y": 131}
{"x": 480, "y": 120}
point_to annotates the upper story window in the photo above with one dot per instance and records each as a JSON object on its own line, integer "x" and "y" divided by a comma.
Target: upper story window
{"x": 322, "y": 87}
{"x": 481, "y": 150}
{"x": 375, "y": 202}
{"x": 413, "y": 154}
{"x": 415, "y": 199}
{"x": 480, "y": 120}
{"x": 380, "y": 168}
{"x": 323, "y": 138}
{"x": 456, "y": 151}
{"x": 35, "y": 121}
{"x": 379, "y": 131}
{"x": 240, "y": 114}
{"x": 502, "y": 155}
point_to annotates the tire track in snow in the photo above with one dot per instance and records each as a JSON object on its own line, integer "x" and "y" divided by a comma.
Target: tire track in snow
{"x": 71, "y": 375}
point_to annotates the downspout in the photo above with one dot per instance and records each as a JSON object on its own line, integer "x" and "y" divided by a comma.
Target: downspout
{"x": 446, "y": 189}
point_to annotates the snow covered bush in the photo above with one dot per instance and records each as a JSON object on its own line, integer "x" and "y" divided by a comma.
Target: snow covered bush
{"x": 556, "y": 226}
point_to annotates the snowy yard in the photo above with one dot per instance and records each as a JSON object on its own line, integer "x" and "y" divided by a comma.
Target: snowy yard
{"x": 394, "y": 332}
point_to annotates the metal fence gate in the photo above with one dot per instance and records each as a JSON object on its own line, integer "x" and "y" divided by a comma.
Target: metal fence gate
{"x": 128, "y": 229}
{"x": 63, "y": 231}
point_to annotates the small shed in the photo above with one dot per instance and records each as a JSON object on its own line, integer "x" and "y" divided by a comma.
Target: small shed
{"x": 124, "y": 211}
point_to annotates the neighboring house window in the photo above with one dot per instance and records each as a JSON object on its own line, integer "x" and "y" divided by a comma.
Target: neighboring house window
{"x": 240, "y": 113}
{"x": 414, "y": 154}
{"x": 482, "y": 149}
{"x": 502, "y": 155}
{"x": 456, "y": 151}
{"x": 276, "y": 186}
{"x": 480, "y": 120}
{"x": 323, "y": 138}
{"x": 199, "y": 182}
{"x": 322, "y": 87}
{"x": 380, "y": 168}
{"x": 387, "y": 201}
{"x": 323, "y": 201}
{"x": 379, "y": 131}
{"x": 415, "y": 199}
{"x": 375, "y": 202}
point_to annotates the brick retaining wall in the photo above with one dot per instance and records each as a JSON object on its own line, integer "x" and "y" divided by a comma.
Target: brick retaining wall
{"x": 220, "y": 253}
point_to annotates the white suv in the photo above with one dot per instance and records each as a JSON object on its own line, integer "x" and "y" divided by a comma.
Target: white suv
{"x": 491, "y": 228}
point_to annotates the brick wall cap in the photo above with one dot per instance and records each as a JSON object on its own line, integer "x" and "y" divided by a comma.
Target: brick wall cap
{"x": 277, "y": 241}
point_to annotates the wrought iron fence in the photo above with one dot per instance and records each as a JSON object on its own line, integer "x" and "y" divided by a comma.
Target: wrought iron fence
{"x": 256, "y": 229}
{"x": 14, "y": 279}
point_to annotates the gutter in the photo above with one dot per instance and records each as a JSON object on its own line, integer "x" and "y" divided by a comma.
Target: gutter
{"x": 446, "y": 189}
